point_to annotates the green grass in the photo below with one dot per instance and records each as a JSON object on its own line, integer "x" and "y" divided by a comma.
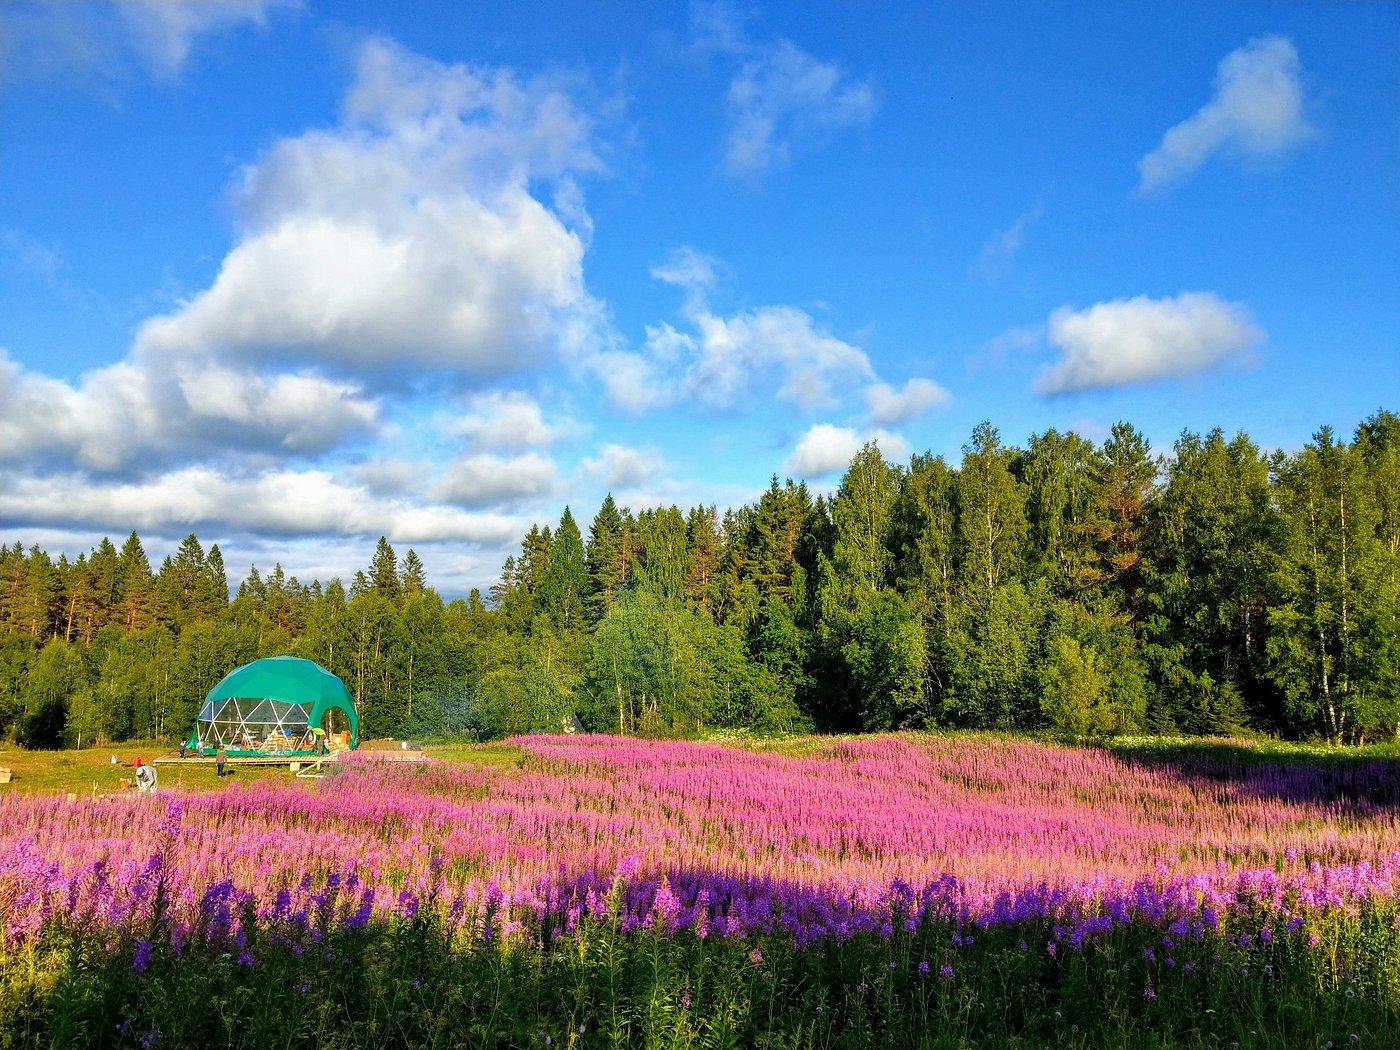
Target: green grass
{"x": 90, "y": 771}
{"x": 412, "y": 984}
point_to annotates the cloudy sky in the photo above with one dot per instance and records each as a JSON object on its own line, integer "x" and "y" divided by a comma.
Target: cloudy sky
{"x": 291, "y": 274}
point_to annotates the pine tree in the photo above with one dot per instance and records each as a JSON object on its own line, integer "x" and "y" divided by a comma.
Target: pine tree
{"x": 1124, "y": 478}
{"x": 703, "y": 551}
{"x": 413, "y": 578}
{"x": 607, "y": 567}
{"x": 211, "y": 589}
{"x": 565, "y": 586}
{"x": 136, "y": 586}
{"x": 384, "y": 571}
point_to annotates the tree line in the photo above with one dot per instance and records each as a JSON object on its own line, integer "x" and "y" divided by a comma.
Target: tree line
{"x": 1086, "y": 588}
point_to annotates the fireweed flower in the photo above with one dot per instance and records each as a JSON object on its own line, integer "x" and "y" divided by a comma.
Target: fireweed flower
{"x": 497, "y": 871}
{"x": 141, "y": 958}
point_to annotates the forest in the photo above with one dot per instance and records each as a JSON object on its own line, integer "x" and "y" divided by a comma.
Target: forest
{"x": 1089, "y": 589}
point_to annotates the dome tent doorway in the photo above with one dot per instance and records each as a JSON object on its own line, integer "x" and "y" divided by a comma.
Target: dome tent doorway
{"x": 273, "y": 707}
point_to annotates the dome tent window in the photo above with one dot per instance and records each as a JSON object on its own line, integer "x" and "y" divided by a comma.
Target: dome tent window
{"x": 272, "y": 707}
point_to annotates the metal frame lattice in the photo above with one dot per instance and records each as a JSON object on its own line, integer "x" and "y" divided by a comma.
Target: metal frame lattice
{"x": 254, "y": 724}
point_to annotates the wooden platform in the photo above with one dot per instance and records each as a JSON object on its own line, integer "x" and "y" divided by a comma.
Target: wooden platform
{"x": 174, "y": 759}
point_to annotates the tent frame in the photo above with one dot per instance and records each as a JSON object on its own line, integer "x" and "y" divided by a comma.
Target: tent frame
{"x": 266, "y": 726}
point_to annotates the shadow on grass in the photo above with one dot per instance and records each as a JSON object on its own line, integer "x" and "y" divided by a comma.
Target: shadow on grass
{"x": 1362, "y": 779}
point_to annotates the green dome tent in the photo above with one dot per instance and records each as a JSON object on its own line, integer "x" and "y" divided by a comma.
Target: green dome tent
{"x": 275, "y": 706}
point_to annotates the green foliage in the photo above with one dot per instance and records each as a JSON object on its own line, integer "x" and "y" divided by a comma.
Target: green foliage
{"x": 1214, "y": 590}
{"x": 410, "y": 983}
{"x": 1076, "y": 698}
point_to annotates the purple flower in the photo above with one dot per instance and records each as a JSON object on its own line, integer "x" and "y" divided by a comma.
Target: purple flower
{"x": 141, "y": 958}
{"x": 1149, "y": 993}
{"x": 945, "y": 972}
{"x": 923, "y": 966}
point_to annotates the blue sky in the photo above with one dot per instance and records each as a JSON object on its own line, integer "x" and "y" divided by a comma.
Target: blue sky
{"x": 292, "y": 275}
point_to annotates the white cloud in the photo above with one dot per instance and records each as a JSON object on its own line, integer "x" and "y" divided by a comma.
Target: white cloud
{"x": 276, "y": 502}
{"x": 716, "y": 361}
{"x": 782, "y": 95}
{"x": 1256, "y": 111}
{"x": 888, "y": 405}
{"x": 392, "y": 475}
{"x": 1140, "y": 340}
{"x": 779, "y": 95}
{"x": 621, "y": 468}
{"x": 732, "y": 352}
{"x": 164, "y": 31}
{"x": 407, "y": 237}
{"x": 140, "y": 412}
{"x": 102, "y": 42}
{"x": 688, "y": 268}
{"x": 509, "y": 420}
{"x": 826, "y": 448}
{"x": 482, "y": 479}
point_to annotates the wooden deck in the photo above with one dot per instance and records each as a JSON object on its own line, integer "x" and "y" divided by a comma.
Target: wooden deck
{"x": 173, "y": 759}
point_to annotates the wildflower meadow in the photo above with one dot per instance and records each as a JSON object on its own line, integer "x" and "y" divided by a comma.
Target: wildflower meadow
{"x": 897, "y": 891}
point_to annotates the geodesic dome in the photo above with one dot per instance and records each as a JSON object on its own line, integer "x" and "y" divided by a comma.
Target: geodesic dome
{"x": 273, "y": 706}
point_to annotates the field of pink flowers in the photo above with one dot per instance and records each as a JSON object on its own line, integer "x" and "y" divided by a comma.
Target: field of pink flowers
{"x": 869, "y": 839}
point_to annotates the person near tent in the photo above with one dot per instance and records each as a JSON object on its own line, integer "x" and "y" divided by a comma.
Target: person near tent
{"x": 221, "y": 759}
{"x": 320, "y": 735}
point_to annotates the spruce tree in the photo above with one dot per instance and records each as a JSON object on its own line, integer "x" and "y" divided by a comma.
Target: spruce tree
{"x": 384, "y": 570}
{"x": 565, "y": 586}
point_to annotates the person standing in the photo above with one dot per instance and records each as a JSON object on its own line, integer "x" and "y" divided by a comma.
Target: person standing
{"x": 220, "y": 759}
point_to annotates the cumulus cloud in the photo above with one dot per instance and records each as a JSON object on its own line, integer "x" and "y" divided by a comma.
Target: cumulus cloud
{"x": 407, "y": 237}
{"x": 1140, "y": 340}
{"x": 716, "y": 360}
{"x": 275, "y": 502}
{"x": 1256, "y": 111}
{"x": 404, "y": 242}
{"x": 482, "y": 479}
{"x": 826, "y": 448}
{"x": 104, "y": 41}
{"x": 890, "y": 406}
{"x": 509, "y": 420}
{"x": 136, "y": 413}
{"x": 620, "y": 467}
